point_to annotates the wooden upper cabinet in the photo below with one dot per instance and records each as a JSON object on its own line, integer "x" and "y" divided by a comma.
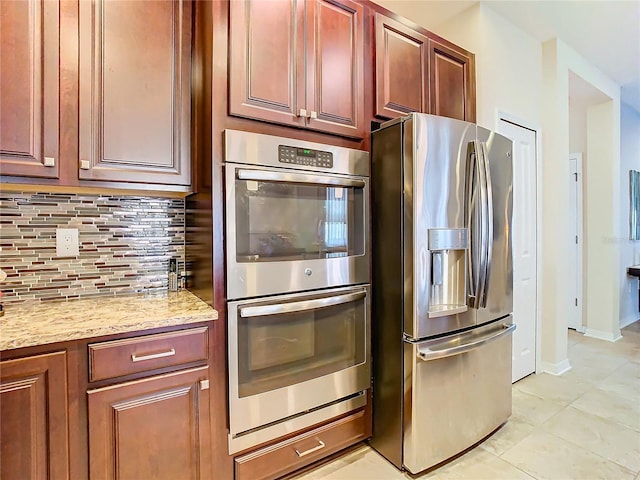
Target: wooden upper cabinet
{"x": 298, "y": 63}
{"x": 335, "y": 61}
{"x": 155, "y": 428}
{"x": 135, "y": 91}
{"x": 29, "y": 79}
{"x": 33, "y": 417}
{"x": 452, "y": 82}
{"x": 401, "y": 71}
{"x": 266, "y": 78}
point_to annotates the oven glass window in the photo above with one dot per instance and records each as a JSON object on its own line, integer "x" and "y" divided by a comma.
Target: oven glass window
{"x": 276, "y": 351}
{"x": 284, "y": 221}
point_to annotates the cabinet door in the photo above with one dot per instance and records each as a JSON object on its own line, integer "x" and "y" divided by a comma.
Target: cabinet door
{"x": 266, "y": 60}
{"x": 335, "y": 62}
{"x": 452, "y": 82}
{"x": 33, "y": 418}
{"x": 135, "y": 83}
{"x": 29, "y": 75}
{"x": 159, "y": 428}
{"x": 401, "y": 69}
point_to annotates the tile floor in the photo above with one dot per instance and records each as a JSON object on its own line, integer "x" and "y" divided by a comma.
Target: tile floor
{"x": 582, "y": 425}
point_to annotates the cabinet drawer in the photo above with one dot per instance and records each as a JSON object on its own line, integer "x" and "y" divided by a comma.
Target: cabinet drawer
{"x": 141, "y": 354}
{"x": 289, "y": 455}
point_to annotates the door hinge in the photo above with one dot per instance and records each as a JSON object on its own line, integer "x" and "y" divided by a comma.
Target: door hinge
{"x": 575, "y": 176}
{"x": 576, "y": 302}
{"x": 576, "y": 239}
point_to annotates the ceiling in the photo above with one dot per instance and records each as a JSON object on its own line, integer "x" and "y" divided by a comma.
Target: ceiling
{"x": 606, "y": 33}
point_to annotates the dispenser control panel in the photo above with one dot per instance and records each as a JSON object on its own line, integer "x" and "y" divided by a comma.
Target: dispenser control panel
{"x": 448, "y": 239}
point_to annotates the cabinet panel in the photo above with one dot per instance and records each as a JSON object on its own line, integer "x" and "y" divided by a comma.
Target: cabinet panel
{"x": 156, "y": 428}
{"x": 401, "y": 69}
{"x": 135, "y": 67}
{"x": 335, "y": 60}
{"x": 289, "y": 455}
{"x": 266, "y": 60}
{"x": 452, "y": 82}
{"x": 142, "y": 354}
{"x": 29, "y": 75}
{"x": 33, "y": 418}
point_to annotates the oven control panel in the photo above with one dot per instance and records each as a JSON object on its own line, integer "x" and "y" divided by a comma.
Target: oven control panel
{"x": 305, "y": 156}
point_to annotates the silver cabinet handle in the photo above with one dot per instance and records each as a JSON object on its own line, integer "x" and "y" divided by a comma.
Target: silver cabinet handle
{"x": 263, "y": 310}
{"x": 303, "y": 113}
{"x": 263, "y": 175}
{"x": 314, "y": 114}
{"x": 84, "y": 164}
{"x": 427, "y": 353}
{"x": 49, "y": 162}
{"x": 142, "y": 358}
{"x": 311, "y": 450}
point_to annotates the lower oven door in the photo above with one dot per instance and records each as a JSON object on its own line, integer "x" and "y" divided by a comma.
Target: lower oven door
{"x": 293, "y": 353}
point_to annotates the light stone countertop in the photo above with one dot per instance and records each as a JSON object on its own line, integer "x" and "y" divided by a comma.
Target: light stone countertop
{"x": 40, "y": 323}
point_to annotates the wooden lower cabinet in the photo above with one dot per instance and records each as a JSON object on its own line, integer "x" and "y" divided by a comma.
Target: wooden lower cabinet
{"x": 33, "y": 418}
{"x": 284, "y": 457}
{"x": 155, "y": 428}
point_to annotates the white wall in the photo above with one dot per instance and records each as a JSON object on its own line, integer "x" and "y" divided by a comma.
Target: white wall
{"x": 508, "y": 64}
{"x": 629, "y": 250}
{"x": 578, "y": 126}
{"x": 602, "y": 206}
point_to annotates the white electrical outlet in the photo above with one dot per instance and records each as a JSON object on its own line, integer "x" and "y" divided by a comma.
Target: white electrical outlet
{"x": 67, "y": 244}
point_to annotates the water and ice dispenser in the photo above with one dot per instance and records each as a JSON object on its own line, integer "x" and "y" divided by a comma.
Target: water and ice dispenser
{"x": 448, "y": 251}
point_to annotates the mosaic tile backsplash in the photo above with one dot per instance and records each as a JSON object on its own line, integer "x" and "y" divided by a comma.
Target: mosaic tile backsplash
{"x": 125, "y": 245}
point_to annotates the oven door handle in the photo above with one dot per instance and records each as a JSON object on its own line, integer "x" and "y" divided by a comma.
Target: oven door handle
{"x": 263, "y": 310}
{"x": 262, "y": 175}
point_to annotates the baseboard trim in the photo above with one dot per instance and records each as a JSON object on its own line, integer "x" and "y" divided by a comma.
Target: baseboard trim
{"x": 556, "y": 368}
{"x": 600, "y": 335}
{"x": 625, "y": 322}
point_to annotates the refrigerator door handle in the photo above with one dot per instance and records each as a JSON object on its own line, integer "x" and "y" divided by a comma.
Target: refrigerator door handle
{"x": 488, "y": 252}
{"x": 432, "y": 352}
{"x": 471, "y": 193}
{"x": 482, "y": 186}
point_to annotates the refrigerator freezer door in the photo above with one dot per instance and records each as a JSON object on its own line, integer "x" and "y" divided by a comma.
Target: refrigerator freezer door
{"x": 457, "y": 391}
{"x": 435, "y": 161}
{"x": 498, "y": 300}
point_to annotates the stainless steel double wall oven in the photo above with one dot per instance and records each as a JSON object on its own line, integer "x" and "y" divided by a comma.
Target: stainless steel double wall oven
{"x": 297, "y": 261}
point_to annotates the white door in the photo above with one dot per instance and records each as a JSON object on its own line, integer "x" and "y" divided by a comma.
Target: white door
{"x": 575, "y": 255}
{"x": 524, "y": 247}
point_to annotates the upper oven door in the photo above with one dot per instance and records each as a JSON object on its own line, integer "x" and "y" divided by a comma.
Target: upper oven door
{"x": 290, "y": 230}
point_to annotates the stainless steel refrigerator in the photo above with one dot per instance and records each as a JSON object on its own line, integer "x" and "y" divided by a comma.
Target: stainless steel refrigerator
{"x": 442, "y": 287}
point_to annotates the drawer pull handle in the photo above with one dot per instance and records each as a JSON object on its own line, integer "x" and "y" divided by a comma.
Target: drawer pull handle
{"x": 142, "y": 358}
{"x": 311, "y": 450}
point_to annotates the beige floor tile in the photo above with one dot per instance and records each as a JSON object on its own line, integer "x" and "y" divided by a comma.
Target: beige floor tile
{"x": 545, "y": 456}
{"x": 593, "y": 364}
{"x": 625, "y": 381}
{"x": 532, "y": 408}
{"x": 561, "y": 389}
{"x": 603, "y": 437}
{"x": 574, "y": 337}
{"x": 516, "y": 429}
{"x": 610, "y": 406}
{"x": 479, "y": 464}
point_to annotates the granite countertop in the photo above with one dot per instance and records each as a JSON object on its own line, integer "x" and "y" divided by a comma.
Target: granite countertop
{"x": 40, "y": 323}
